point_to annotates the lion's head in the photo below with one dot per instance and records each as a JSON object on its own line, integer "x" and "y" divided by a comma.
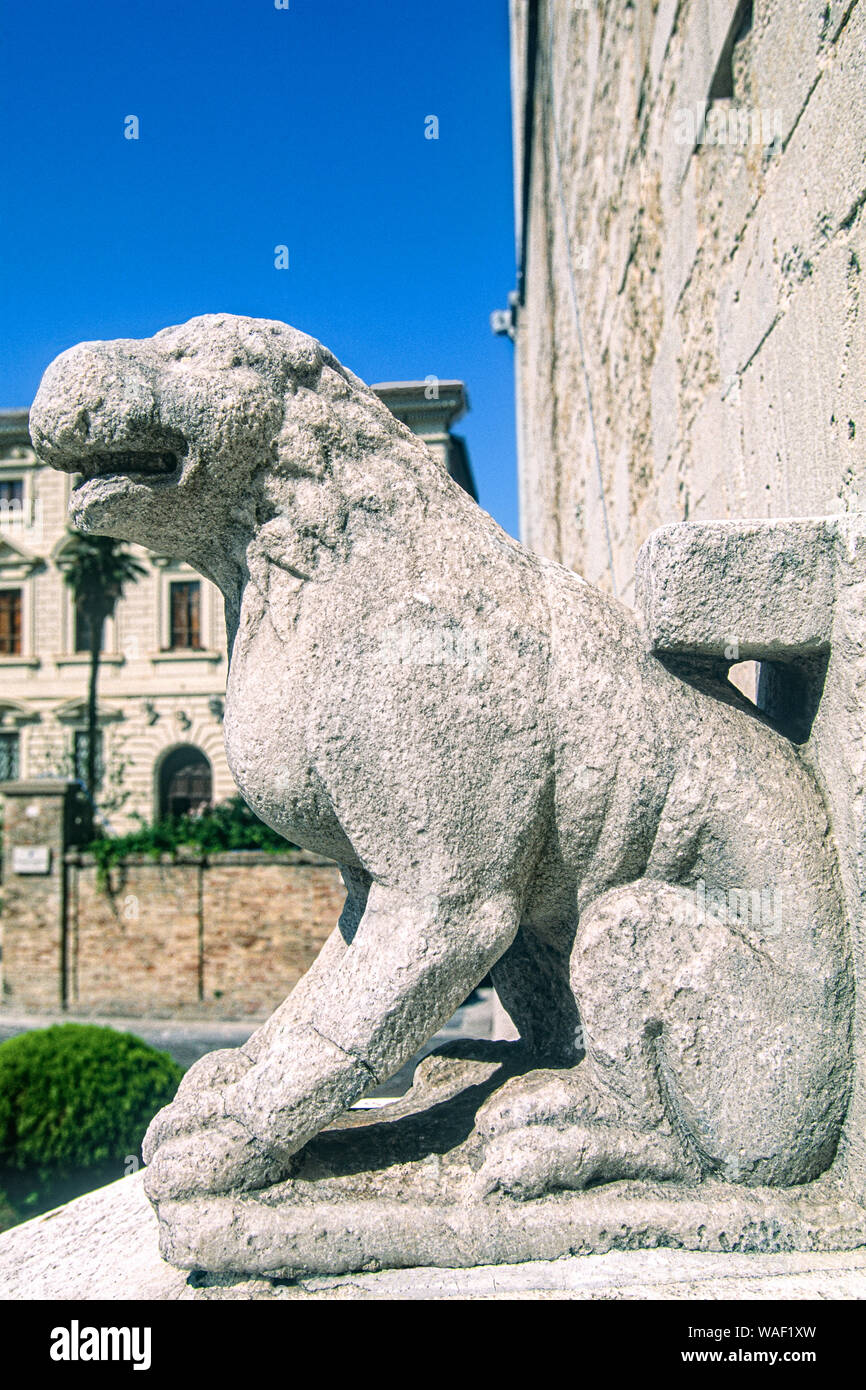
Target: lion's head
{"x": 219, "y": 435}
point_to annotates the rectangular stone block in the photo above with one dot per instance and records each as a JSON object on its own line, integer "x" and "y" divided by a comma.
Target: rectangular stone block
{"x": 743, "y": 591}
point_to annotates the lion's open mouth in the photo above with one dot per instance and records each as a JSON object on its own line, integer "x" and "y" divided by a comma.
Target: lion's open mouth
{"x": 126, "y": 463}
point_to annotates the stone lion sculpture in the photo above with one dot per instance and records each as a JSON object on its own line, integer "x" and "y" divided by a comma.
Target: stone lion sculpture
{"x": 509, "y": 781}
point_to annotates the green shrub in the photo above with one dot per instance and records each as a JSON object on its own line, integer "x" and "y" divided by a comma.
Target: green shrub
{"x": 77, "y": 1096}
{"x": 229, "y": 825}
{"x": 8, "y": 1215}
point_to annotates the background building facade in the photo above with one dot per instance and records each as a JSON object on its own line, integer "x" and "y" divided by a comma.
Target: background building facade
{"x": 163, "y": 672}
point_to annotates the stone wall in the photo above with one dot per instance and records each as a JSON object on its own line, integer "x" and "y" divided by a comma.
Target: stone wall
{"x": 227, "y": 937}
{"x": 705, "y": 214}
{"x": 35, "y": 823}
{"x": 222, "y": 938}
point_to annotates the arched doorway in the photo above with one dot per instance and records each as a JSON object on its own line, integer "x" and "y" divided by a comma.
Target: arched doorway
{"x": 185, "y": 781}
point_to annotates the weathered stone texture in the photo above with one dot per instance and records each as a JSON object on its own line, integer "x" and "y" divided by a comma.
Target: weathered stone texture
{"x": 153, "y": 697}
{"x": 104, "y": 1246}
{"x": 792, "y": 592}
{"x": 645, "y": 865}
{"x": 719, "y": 285}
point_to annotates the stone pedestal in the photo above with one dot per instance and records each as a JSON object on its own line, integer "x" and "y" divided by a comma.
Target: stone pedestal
{"x": 104, "y": 1246}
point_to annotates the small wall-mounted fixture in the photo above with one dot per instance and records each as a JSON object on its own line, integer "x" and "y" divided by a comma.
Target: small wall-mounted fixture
{"x": 503, "y": 322}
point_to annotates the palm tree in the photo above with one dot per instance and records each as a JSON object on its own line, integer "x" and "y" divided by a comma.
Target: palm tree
{"x": 96, "y": 569}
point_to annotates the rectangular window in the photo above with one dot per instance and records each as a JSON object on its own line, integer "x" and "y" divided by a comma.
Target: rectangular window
{"x": 8, "y": 757}
{"x": 80, "y": 745}
{"x": 11, "y": 497}
{"x": 185, "y": 613}
{"x": 10, "y": 622}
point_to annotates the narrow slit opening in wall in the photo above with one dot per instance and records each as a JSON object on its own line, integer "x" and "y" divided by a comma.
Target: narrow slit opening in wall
{"x": 722, "y": 85}
{"x": 789, "y": 693}
{"x": 744, "y": 677}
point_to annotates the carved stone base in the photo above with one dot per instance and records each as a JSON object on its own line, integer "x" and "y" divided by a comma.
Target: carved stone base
{"x": 395, "y": 1189}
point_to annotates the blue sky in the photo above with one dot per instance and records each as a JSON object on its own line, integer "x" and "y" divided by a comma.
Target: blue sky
{"x": 261, "y": 127}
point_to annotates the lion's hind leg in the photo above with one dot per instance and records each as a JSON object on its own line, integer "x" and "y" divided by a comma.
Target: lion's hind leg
{"x": 701, "y": 1057}
{"x": 711, "y": 1024}
{"x": 559, "y": 1147}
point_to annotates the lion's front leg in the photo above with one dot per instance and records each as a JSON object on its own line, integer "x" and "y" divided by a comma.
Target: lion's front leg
{"x": 413, "y": 959}
{"x": 204, "y": 1098}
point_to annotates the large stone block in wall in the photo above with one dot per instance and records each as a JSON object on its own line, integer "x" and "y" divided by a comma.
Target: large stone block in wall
{"x": 717, "y": 272}
{"x": 739, "y": 590}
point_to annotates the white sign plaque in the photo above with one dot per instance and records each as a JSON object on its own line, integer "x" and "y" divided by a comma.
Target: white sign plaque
{"x": 31, "y": 859}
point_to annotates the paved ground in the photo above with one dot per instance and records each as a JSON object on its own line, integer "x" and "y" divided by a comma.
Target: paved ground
{"x": 187, "y": 1040}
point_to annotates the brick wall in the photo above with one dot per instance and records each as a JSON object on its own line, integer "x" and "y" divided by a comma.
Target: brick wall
{"x": 35, "y": 817}
{"x": 224, "y": 938}
{"x": 264, "y": 927}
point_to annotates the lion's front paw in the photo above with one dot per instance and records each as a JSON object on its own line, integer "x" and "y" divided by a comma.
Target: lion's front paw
{"x": 222, "y": 1158}
{"x": 200, "y": 1100}
{"x": 198, "y": 1143}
